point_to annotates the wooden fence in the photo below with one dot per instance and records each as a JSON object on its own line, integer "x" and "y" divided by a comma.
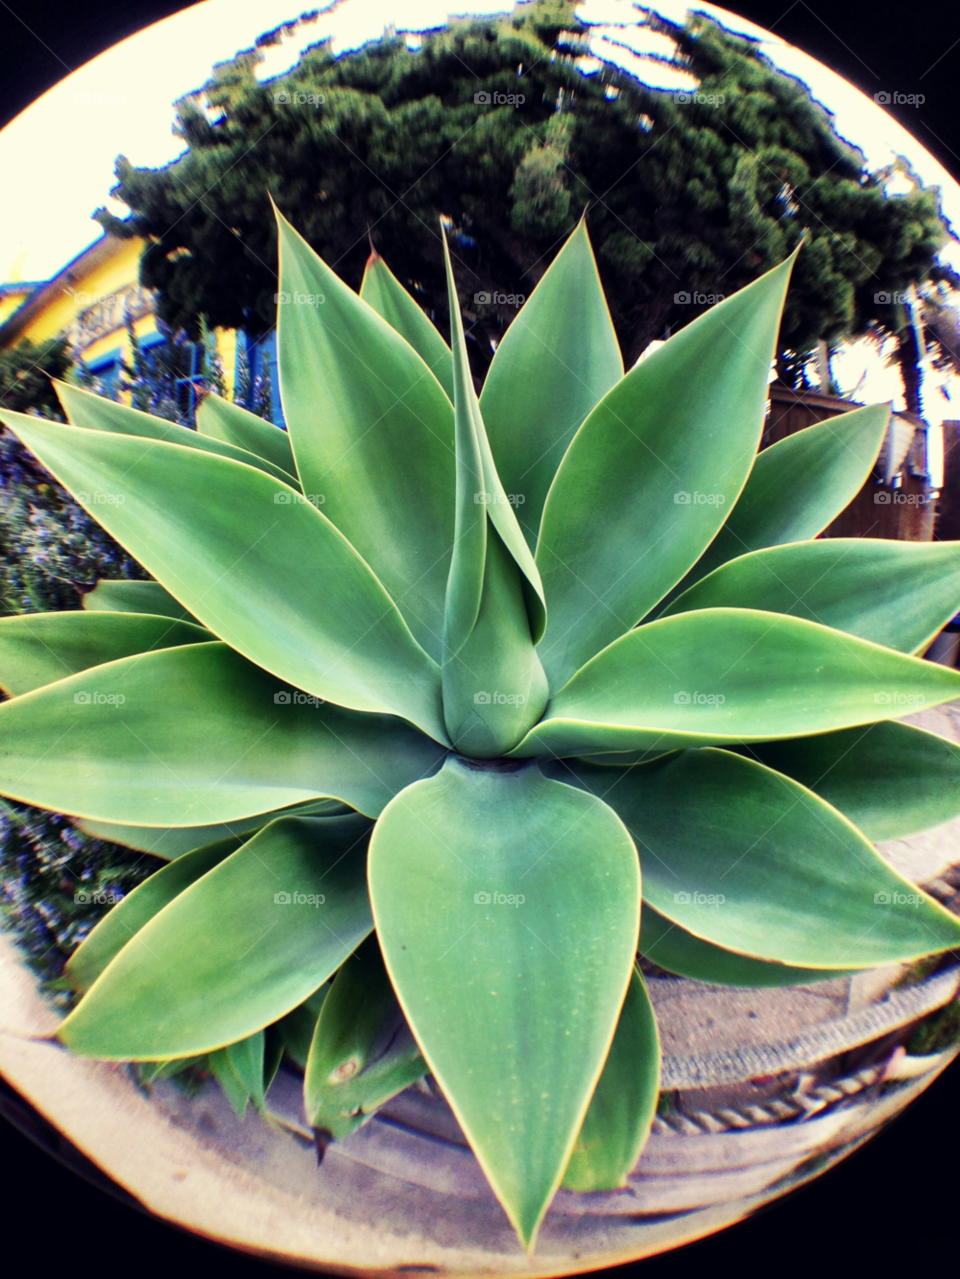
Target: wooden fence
{"x": 896, "y": 501}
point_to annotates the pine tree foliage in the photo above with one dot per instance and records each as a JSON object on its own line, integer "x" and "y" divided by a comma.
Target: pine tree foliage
{"x": 687, "y": 198}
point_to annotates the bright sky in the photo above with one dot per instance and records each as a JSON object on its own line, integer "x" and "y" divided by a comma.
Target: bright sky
{"x": 121, "y": 103}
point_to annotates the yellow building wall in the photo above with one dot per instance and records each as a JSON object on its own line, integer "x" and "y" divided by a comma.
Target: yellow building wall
{"x": 122, "y": 269}
{"x": 227, "y": 346}
{"x": 110, "y": 342}
{"x": 10, "y": 302}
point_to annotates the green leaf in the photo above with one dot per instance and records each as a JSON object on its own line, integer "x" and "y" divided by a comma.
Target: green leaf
{"x": 173, "y": 841}
{"x": 673, "y": 948}
{"x": 494, "y": 687}
{"x": 128, "y": 916}
{"x": 624, "y": 1102}
{"x": 564, "y": 333}
{"x": 247, "y": 1059}
{"x": 298, "y": 1026}
{"x": 471, "y": 530}
{"x": 219, "y": 419}
{"x": 151, "y": 1072}
{"x": 480, "y": 495}
{"x": 231, "y": 1079}
{"x": 497, "y": 991}
{"x": 273, "y": 578}
{"x": 745, "y": 858}
{"x": 273, "y": 1055}
{"x": 222, "y": 1069}
{"x": 40, "y": 648}
{"x": 686, "y": 421}
{"x": 731, "y": 675}
{"x": 898, "y": 594}
{"x": 383, "y": 291}
{"x": 94, "y": 413}
{"x": 231, "y": 954}
{"x": 363, "y": 1052}
{"x": 797, "y": 487}
{"x": 199, "y": 738}
{"x": 892, "y": 780}
{"x": 372, "y": 433}
{"x": 117, "y": 595}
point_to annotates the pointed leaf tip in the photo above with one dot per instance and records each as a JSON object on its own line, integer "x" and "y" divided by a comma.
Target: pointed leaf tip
{"x": 467, "y": 874}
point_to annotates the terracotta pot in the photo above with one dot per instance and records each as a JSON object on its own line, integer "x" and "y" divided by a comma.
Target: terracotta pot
{"x": 762, "y": 1090}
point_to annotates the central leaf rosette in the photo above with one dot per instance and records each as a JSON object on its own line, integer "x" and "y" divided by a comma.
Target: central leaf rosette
{"x": 421, "y": 682}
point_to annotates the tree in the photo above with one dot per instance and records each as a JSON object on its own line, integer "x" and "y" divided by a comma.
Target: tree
{"x": 25, "y": 373}
{"x": 687, "y": 200}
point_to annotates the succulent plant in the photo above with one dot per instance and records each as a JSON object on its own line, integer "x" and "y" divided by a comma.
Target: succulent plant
{"x": 420, "y": 686}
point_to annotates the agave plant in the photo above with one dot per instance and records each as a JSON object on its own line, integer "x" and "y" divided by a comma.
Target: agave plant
{"x": 422, "y": 684}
